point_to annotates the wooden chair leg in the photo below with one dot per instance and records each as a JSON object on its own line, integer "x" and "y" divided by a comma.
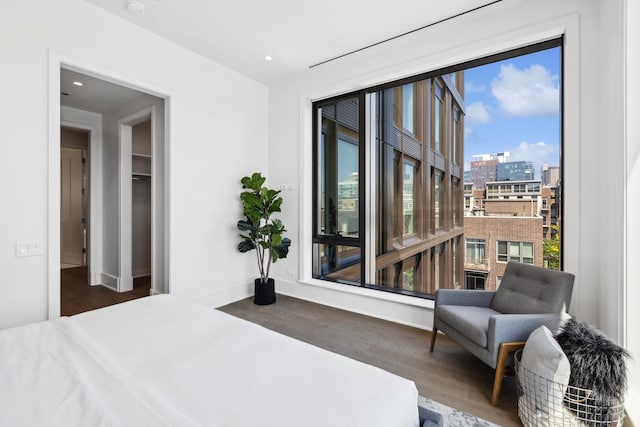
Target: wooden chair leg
{"x": 434, "y": 334}
{"x": 503, "y": 354}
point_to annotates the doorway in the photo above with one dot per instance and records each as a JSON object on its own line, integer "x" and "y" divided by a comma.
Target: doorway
{"x": 74, "y": 144}
{"x": 107, "y": 188}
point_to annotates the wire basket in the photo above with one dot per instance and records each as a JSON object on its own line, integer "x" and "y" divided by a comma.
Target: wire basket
{"x": 545, "y": 403}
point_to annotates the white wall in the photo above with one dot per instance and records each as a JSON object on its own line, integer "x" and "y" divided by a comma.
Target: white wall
{"x": 218, "y": 133}
{"x": 632, "y": 168}
{"x": 594, "y": 150}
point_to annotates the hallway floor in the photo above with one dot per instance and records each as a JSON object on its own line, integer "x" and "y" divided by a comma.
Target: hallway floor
{"x": 76, "y": 296}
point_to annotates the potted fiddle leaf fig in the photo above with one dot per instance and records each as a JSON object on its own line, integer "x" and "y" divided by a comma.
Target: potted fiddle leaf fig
{"x": 261, "y": 232}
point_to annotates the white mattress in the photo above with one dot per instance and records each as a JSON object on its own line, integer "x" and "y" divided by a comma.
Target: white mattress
{"x": 162, "y": 360}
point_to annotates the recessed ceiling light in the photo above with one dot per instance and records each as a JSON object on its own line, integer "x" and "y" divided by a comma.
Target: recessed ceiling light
{"x": 268, "y": 58}
{"x": 136, "y": 7}
{"x": 78, "y": 83}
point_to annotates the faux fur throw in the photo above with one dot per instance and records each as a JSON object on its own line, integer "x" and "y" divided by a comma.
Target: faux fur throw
{"x": 597, "y": 364}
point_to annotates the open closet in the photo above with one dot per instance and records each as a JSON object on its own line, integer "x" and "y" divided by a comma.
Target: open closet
{"x": 141, "y": 201}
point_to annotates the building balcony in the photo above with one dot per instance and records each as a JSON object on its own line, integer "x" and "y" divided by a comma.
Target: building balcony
{"x": 476, "y": 264}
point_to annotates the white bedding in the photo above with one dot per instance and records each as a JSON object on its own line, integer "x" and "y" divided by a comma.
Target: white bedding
{"x": 162, "y": 360}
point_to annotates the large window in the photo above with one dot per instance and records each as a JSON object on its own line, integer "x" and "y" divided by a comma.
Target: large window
{"x": 391, "y": 164}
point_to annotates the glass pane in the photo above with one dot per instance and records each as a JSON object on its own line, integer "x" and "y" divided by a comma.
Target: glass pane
{"x": 512, "y": 178}
{"x": 348, "y": 188}
{"x": 407, "y": 279}
{"x": 336, "y": 263}
{"x": 408, "y": 208}
{"x": 454, "y": 136}
{"x": 436, "y": 268}
{"x": 338, "y": 172}
{"x": 394, "y": 197}
{"x": 438, "y": 117}
{"x": 408, "y": 107}
{"x": 437, "y": 194}
{"x": 455, "y": 203}
{"x": 514, "y": 249}
{"x": 502, "y": 251}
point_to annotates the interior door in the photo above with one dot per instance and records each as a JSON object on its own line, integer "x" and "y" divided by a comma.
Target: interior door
{"x": 72, "y": 239}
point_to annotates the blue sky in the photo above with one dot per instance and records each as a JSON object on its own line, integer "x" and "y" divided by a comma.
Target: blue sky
{"x": 514, "y": 105}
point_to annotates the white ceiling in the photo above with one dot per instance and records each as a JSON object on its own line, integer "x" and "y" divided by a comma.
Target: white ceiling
{"x": 296, "y": 33}
{"x": 96, "y": 95}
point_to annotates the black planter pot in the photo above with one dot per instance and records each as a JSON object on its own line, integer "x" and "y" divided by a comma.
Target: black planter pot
{"x": 265, "y": 293}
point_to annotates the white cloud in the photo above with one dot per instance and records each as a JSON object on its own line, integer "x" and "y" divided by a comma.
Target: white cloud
{"x": 531, "y": 91}
{"x": 477, "y": 113}
{"x": 537, "y": 152}
{"x": 471, "y": 88}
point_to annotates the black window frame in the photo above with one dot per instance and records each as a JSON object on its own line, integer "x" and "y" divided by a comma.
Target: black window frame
{"x": 556, "y": 42}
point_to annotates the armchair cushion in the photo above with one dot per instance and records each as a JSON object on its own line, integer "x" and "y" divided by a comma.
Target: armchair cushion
{"x": 530, "y": 289}
{"x": 471, "y": 322}
{"x": 518, "y": 327}
{"x": 464, "y": 297}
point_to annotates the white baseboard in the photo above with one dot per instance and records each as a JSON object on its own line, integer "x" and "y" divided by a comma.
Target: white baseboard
{"x": 96, "y": 279}
{"x": 75, "y": 258}
{"x": 225, "y": 296}
{"x": 141, "y": 273}
{"x": 110, "y": 281}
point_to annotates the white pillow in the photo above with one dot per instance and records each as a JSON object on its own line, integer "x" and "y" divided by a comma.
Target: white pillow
{"x": 547, "y": 370}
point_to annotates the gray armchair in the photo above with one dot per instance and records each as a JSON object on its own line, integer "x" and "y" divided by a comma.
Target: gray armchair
{"x": 492, "y": 324}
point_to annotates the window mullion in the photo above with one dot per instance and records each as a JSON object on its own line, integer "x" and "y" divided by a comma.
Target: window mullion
{"x": 370, "y": 188}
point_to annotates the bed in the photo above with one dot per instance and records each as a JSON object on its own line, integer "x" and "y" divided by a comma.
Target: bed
{"x": 163, "y": 360}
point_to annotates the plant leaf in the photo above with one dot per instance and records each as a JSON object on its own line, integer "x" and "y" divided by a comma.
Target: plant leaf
{"x": 246, "y": 245}
{"x": 281, "y": 250}
{"x": 244, "y": 225}
{"x": 254, "y": 182}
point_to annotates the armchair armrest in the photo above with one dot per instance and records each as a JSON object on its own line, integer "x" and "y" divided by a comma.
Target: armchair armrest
{"x": 464, "y": 297}
{"x": 517, "y": 327}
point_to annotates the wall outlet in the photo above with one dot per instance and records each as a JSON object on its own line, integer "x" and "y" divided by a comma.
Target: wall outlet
{"x": 291, "y": 272}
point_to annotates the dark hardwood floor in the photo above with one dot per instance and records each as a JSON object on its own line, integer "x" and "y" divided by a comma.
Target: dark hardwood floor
{"x": 76, "y": 296}
{"x": 449, "y": 375}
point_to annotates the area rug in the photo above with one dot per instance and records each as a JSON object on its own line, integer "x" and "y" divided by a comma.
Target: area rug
{"x": 452, "y": 416}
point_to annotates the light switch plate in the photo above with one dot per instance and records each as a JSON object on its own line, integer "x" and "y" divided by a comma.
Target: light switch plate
{"x": 29, "y": 248}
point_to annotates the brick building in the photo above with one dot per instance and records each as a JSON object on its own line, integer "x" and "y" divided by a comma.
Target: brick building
{"x": 504, "y": 222}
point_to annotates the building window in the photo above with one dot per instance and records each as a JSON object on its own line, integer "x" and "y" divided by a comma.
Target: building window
{"x": 408, "y": 121}
{"x": 515, "y": 251}
{"x": 437, "y": 200}
{"x": 456, "y": 134}
{"x": 438, "y": 117}
{"x": 475, "y": 252}
{"x": 455, "y": 203}
{"x": 408, "y": 194}
{"x": 475, "y": 281}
